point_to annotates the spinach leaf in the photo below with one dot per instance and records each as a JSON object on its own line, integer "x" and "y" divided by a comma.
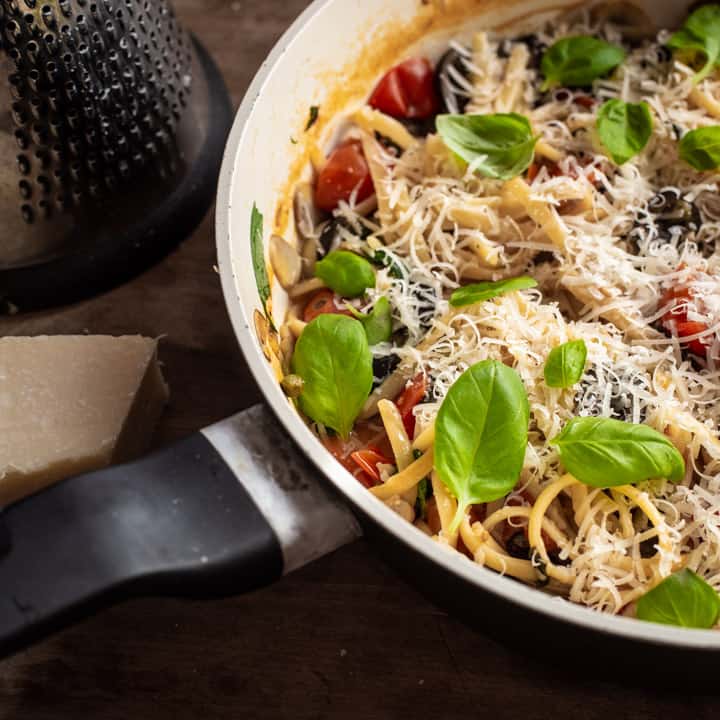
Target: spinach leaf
{"x": 700, "y": 34}
{"x": 624, "y": 128}
{"x": 603, "y": 453}
{"x": 346, "y": 273}
{"x": 258, "y": 256}
{"x": 481, "y": 434}
{"x": 683, "y": 599}
{"x": 333, "y": 359}
{"x": 565, "y": 364}
{"x": 377, "y": 323}
{"x": 498, "y": 146}
{"x": 701, "y": 148}
{"x": 478, "y": 292}
{"x": 577, "y": 61}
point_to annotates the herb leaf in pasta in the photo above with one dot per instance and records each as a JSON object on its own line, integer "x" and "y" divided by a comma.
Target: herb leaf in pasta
{"x": 333, "y": 359}
{"x": 258, "y": 256}
{"x": 478, "y": 292}
{"x": 498, "y": 146}
{"x": 481, "y": 434}
{"x": 624, "y": 128}
{"x": 346, "y": 273}
{"x": 604, "y": 453}
{"x": 578, "y": 61}
{"x": 683, "y": 599}
{"x": 701, "y": 148}
{"x": 700, "y": 34}
{"x": 565, "y": 364}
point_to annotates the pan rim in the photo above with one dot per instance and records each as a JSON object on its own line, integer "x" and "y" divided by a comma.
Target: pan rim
{"x": 531, "y": 599}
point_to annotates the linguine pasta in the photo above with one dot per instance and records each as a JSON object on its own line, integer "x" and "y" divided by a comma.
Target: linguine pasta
{"x": 625, "y": 260}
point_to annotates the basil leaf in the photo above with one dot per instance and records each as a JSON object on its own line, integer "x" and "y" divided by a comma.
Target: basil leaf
{"x": 603, "y": 453}
{"x": 333, "y": 359}
{"x": 377, "y": 323}
{"x": 257, "y": 250}
{"x": 471, "y": 294}
{"x": 498, "y": 146}
{"x": 346, "y": 273}
{"x": 624, "y": 128}
{"x": 700, "y": 33}
{"x": 565, "y": 364}
{"x": 701, "y": 148}
{"x": 577, "y": 61}
{"x": 683, "y": 599}
{"x": 481, "y": 434}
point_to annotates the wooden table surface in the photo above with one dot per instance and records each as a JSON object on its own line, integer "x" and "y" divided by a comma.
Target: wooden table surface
{"x": 343, "y": 638}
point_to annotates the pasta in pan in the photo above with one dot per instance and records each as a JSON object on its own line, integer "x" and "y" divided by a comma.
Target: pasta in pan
{"x": 504, "y": 310}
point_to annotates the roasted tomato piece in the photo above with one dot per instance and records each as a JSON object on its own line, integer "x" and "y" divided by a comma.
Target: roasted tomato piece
{"x": 368, "y": 460}
{"x": 344, "y": 451}
{"x": 411, "y": 396}
{"x": 585, "y": 101}
{"x": 675, "y": 321}
{"x": 408, "y": 91}
{"x": 346, "y": 171}
{"x": 324, "y": 302}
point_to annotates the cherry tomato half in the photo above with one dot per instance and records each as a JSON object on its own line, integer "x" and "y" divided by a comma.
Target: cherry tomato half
{"x": 408, "y": 91}
{"x": 346, "y": 171}
{"x": 324, "y": 302}
{"x": 675, "y": 320}
{"x": 411, "y": 396}
{"x": 368, "y": 460}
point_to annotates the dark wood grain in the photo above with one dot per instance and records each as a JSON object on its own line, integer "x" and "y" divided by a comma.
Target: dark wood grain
{"x": 343, "y": 638}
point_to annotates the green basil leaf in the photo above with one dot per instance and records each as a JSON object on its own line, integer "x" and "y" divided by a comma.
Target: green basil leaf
{"x": 701, "y": 148}
{"x": 565, "y": 364}
{"x": 700, "y": 34}
{"x": 577, "y": 61}
{"x": 624, "y": 128}
{"x": 346, "y": 273}
{"x": 257, "y": 250}
{"x": 333, "y": 359}
{"x": 499, "y": 146}
{"x": 377, "y": 323}
{"x": 683, "y": 599}
{"x": 604, "y": 453}
{"x": 481, "y": 434}
{"x": 478, "y": 292}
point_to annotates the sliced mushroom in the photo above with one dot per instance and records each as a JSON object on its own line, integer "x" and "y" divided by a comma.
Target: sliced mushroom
{"x": 286, "y": 262}
{"x": 307, "y": 216}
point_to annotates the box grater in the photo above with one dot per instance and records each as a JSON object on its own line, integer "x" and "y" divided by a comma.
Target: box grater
{"x": 112, "y": 129}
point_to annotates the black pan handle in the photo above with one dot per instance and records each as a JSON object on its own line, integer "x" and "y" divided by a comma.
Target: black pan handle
{"x": 223, "y": 512}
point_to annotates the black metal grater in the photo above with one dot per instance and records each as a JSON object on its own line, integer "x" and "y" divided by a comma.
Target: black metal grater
{"x": 111, "y": 137}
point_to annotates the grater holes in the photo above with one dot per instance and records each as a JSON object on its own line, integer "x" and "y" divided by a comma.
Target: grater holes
{"x": 43, "y": 158}
{"x": 22, "y": 139}
{"x": 25, "y": 189}
{"x": 28, "y": 214}
{"x": 44, "y": 183}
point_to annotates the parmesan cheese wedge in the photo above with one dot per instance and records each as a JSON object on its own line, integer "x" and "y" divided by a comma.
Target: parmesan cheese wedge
{"x": 73, "y": 404}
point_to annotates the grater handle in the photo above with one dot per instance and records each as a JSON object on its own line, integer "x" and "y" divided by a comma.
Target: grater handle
{"x": 180, "y": 522}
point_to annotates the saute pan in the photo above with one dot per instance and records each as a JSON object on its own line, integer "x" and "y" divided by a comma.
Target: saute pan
{"x": 242, "y": 502}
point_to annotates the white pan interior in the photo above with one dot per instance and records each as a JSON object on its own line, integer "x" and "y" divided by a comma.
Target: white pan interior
{"x": 296, "y": 75}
